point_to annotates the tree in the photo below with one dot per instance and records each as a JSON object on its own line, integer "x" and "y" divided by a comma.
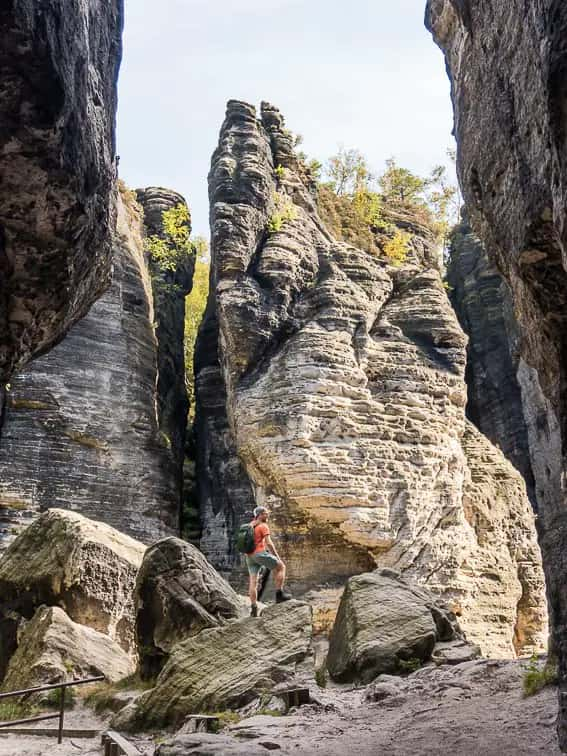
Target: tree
{"x": 401, "y": 186}
{"x": 348, "y": 172}
{"x": 195, "y": 305}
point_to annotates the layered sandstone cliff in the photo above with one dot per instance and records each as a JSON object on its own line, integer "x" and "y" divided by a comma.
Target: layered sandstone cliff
{"x": 483, "y": 303}
{"x": 59, "y": 65}
{"x": 82, "y": 429}
{"x": 507, "y": 64}
{"x": 330, "y": 385}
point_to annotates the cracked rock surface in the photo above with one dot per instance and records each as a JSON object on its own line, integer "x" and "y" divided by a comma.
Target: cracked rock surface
{"x": 330, "y": 386}
{"x": 59, "y": 63}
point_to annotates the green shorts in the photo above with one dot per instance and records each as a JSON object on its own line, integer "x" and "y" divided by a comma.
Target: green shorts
{"x": 255, "y": 562}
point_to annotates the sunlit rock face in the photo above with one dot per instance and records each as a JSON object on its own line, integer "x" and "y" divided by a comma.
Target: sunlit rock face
{"x": 330, "y": 386}
{"x": 59, "y": 66}
{"x": 82, "y": 426}
{"x": 507, "y": 63}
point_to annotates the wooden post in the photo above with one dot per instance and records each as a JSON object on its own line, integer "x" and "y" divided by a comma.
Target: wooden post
{"x": 61, "y": 714}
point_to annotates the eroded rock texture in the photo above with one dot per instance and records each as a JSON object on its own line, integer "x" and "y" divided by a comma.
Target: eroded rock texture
{"x": 64, "y": 559}
{"x": 507, "y": 63}
{"x": 170, "y": 287}
{"x": 59, "y": 64}
{"x": 330, "y": 385}
{"x": 483, "y": 303}
{"x": 82, "y": 428}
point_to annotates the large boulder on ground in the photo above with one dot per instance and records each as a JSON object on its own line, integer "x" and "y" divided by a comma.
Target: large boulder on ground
{"x": 178, "y": 594}
{"x": 64, "y": 559}
{"x": 385, "y": 624}
{"x": 53, "y": 648}
{"x": 227, "y": 667}
{"x": 209, "y": 745}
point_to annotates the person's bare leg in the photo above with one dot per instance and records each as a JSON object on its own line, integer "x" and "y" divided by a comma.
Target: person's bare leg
{"x": 279, "y": 575}
{"x": 252, "y": 592}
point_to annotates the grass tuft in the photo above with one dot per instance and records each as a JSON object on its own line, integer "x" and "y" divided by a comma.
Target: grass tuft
{"x": 536, "y": 678}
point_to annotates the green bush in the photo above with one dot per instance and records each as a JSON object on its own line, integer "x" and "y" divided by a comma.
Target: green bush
{"x": 536, "y": 678}
{"x": 284, "y": 211}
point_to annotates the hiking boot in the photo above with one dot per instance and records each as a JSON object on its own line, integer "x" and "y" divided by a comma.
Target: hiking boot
{"x": 282, "y": 596}
{"x": 253, "y": 610}
{"x": 262, "y": 582}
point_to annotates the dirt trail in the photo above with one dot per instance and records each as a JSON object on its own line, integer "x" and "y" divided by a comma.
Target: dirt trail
{"x": 473, "y": 709}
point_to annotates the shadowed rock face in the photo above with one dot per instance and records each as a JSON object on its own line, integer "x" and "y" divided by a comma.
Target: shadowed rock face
{"x": 81, "y": 425}
{"x": 483, "y": 303}
{"x": 508, "y": 63}
{"x": 59, "y": 64}
{"x": 330, "y": 385}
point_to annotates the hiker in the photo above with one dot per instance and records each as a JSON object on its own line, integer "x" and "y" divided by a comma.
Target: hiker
{"x": 264, "y": 557}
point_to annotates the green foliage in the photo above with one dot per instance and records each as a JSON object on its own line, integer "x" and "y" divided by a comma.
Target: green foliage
{"x": 11, "y": 709}
{"x": 225, "y": 718}
{"x": 52, "y": 699}
{"x": 536, "y": 678}
{"x": 279, "y": 171}
{"x": 101, "y": 696}
{"x": 284, "y": 211}
{"x": 195, "y": 305}
{"x": 348, "y": 172}
{"x": 401, "y": 186}
{"x": 408, "y": 666}
{"x": 397, "y": 247}
{"x": 167, "y": 250}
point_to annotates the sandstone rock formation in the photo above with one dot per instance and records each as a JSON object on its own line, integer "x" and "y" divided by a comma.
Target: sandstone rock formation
{"x": 385, "y": 622}
{"x": 483, "y": 303}
{"x": 170, "y": 287}
{"x": 59, "y": 69}
{"x": 178, "y": 594}
{"x": 85, "y": 567}
{"x": 507, "y": 63}
{"x": 330, "y": 385}
{"x": 227, "y": 667}
{"x": 52, "y": 648}
{"x": 81, "y": 430}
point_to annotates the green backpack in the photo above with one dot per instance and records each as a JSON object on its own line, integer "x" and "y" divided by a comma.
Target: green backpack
{"x": 245, "y": 538}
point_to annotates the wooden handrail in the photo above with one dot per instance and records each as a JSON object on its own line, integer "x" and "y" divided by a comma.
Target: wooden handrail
{"x": 40, "y": 689}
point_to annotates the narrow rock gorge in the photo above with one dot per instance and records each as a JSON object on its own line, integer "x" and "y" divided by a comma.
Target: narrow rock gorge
{"x": 330, "y": 385}
{"x": 483, "y": 303}
{"x": 97, "y": 425}
{"x": 507, "y": 64}
{"x": 57, "y": 167}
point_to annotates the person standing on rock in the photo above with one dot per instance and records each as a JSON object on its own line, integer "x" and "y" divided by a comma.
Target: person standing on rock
{"x": 264, "y": 557}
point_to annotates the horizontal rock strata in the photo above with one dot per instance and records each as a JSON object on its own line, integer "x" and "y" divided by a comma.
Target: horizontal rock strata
{"x": 82, "y": 428}
{"x": 330, "y": 386}
{"x": 507, "y": 65}
{"x": 59, "y": 66}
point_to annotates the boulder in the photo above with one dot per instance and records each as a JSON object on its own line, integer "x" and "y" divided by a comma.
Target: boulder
{"x": 385, "y": 624}
{"x": 178, "y": 594}
{"x": 454, "y": 652}
{"x": 227, "y": 667}
{"x": 52, "y": 648}
{"x": 64, "y": 559}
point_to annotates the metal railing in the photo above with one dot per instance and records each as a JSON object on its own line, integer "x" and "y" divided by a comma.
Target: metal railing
{"x": 39, "y": 689}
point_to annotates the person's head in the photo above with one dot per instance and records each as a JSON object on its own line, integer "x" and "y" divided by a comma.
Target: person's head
{"x": 261, "y": 514}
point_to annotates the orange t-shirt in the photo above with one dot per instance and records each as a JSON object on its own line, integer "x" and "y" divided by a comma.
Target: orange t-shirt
{"x": 261, "y": 532}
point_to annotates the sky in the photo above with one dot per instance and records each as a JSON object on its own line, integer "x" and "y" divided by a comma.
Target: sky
{"x": 364, "y": 74}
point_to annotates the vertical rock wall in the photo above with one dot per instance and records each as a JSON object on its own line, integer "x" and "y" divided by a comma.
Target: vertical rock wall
{"x": 483, "y": 303}
{"x": 81, "y": 426}
{"x": 59, "y": 63}
{"x": 507, "y": 63}
{"x": 330, "y": 385}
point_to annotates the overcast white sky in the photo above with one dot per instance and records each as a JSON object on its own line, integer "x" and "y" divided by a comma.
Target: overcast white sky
{"x": 362, "y": 73}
